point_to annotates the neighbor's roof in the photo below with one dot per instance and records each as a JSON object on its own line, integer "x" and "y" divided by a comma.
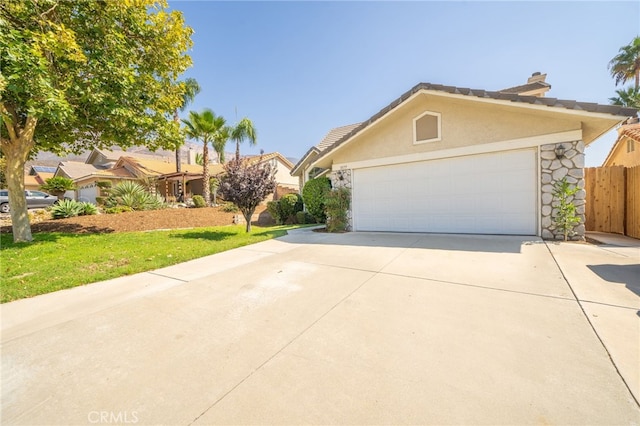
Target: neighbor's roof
{"x": 271, "y": 156}
{"x": 76, "y": 169}
{"x": 626, "y": 131}
{"x": 43, "y": 169}
{"x": 588, "y": 107}
{"x": 328, "y": 140}
{"x": 158, "y": 167}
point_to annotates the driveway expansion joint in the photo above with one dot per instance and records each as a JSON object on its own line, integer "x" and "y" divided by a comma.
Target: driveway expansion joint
{"x": 579, "y": 302}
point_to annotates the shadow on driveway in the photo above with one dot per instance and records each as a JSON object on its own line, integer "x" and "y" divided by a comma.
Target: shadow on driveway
{"x": 623, "y": 274}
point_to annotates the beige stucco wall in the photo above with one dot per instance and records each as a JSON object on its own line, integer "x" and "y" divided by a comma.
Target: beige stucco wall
{"x": 464, "y": 123}
{"x": 620, "y": 156}
{"x": 283, "y": 175}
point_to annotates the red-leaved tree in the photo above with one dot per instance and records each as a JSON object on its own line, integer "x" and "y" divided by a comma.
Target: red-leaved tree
{"x": 246, "y": 184}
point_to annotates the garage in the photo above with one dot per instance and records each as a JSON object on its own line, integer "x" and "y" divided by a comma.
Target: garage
{"x": 476, "y": 194}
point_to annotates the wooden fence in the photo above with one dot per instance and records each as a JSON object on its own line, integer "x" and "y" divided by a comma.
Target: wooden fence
{"x": 613, "y": 200}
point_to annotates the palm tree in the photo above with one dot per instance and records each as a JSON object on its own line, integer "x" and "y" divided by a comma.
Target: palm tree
{"x": 191, "y": 89}
{"x": 242, "y": 131}
{"x": 204, "y": 126}
{"x": 629, "y": 97}
{"x": 626, "y": 64}
{"x": 220, "y": 142}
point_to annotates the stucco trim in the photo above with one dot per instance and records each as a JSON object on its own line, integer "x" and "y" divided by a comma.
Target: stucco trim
{"x": 487, "y": 148}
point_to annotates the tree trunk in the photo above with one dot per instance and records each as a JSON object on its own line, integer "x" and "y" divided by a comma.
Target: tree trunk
{"x": 206, "y": 193}
{"x": 247, "y": 218}
{"x": 16, "y": 150}
{"x": 237, "y": 150}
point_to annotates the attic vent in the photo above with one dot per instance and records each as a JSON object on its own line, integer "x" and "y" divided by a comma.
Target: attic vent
{"x": 426, "y": 128}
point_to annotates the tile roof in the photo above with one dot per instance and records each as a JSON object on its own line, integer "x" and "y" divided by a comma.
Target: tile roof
{"x": 328, "y": 140}
{"x": 159, "y": 167}
{"x": 270, "y": 156}
{"x": 76, "y": 169}
{"x": 631, "y": 131}
{"x": 614, "y": 110}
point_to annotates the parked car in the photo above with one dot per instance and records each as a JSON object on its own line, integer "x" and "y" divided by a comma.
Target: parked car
{"x": 35, "y": 200}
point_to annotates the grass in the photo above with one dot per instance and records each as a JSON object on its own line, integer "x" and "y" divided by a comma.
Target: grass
{"x": 55, "y": 261}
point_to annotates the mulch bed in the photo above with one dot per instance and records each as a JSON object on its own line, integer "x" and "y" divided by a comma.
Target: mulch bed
{"x": 171, "y": 218}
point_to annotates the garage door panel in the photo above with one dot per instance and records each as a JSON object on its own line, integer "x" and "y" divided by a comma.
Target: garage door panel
{"x": 491, "y": 193}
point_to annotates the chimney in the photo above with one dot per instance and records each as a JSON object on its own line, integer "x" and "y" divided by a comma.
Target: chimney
{"x": 191, "y": 159}
{"x": 537, "y": 77}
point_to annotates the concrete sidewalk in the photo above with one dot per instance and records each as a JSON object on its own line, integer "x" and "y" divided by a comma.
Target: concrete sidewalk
{"x": 355, "y": 328}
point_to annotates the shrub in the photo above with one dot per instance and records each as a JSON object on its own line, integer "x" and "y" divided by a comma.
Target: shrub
{"x": 337, "y": 204}
{"x": 118, "y": 209}
{"x": 100, "y": 201}
{"x": 66, "y": 208}
{"x": 229, "y": 207}
{"x": 565, "y": 217}
{"x": 273, "y": 207}
{"x": 88, "y": 209}
{"x": 289, "y": 205}
{"x": 314, "y": 194}
{"x": 198, "y": 201}
{"x": 304, "y": 218}
{"x": 58, "y": 186}
{"x": 133, "y": 195}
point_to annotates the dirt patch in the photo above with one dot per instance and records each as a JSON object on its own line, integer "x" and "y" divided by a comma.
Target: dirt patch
{"x": 171, "y": 218}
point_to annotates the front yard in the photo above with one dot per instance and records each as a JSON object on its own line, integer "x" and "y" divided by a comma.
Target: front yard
{"x": 68, "y": 253}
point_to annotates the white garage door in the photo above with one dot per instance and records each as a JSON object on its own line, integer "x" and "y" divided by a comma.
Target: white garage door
{"x": 477, "y": 194}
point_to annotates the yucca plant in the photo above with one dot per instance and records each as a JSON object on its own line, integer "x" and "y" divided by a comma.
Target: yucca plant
{"x": 88, "y": 209}
{"x": 66, "y": 208}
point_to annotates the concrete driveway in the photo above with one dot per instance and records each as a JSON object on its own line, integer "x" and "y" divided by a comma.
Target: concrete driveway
{"x": 357, "y": 328}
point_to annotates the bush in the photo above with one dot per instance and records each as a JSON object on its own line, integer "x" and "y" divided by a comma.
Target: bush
{"x": 118, "y": 209}
{"x": 66, "y": 208}
{"x": 134, "y": 196}
{"x": 314, "y": 194}
{"x": 290, "y": 204}
{"x": 198, "y": 201}
{"x": 337, "y": 204}
{"x": 58, "y": 185}
{"x": 273, "y": 207}
{"x": 304, "y": 218}
{"x": 88, "y": 209}
{"x": 229, "y": 207}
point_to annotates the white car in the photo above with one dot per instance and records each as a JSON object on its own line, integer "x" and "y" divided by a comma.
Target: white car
{"x": 35, "y": 200}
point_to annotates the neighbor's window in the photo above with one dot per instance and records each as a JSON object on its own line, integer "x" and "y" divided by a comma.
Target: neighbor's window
{"x": 631, "y": 146}
{"x": 426, "y": 128}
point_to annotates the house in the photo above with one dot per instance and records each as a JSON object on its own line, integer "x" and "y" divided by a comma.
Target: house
{"x": 37, "y": 176}
{"x": 626, "y": 149}
{"x": 86, "y": 178}
{"x": 448, "y": 159}
{"x": 285, "y": 182}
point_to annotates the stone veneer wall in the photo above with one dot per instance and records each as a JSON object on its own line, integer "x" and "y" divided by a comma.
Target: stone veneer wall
{"x": 553, "y": 170}
{"x": 340, "y": 179}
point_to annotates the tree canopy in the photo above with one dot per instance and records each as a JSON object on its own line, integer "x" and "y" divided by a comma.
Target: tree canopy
{"x": 625, "y": 65}
{"x": 246, "y": 184}
{"x": 82, "y": 74}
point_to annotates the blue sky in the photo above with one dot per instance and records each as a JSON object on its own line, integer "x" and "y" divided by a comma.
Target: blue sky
{"x": 298, "y": 69}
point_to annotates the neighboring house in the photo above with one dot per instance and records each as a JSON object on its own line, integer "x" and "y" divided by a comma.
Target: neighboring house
{"x": 626, "y": 149}
{"x": 164, "y": 172}
{"x": 86, "y": 176}
{"x": 286, "y": 183}
{"x": 455, "y": 160}
{"x": 37, "y": 176}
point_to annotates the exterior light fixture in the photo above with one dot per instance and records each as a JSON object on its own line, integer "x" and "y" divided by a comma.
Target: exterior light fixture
{"x": 559, "y": 151}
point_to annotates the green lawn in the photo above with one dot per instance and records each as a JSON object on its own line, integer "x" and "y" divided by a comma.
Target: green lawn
{"x": 54, "y": 261}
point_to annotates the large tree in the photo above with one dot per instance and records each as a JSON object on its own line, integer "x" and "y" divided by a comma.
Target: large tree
{"x": 246, "y": 184}
{"x": 625, "y": 65}
{"x": 205, "y": 126}
{"x": 242, "y": 131}
{"x": 82, "y": 74}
